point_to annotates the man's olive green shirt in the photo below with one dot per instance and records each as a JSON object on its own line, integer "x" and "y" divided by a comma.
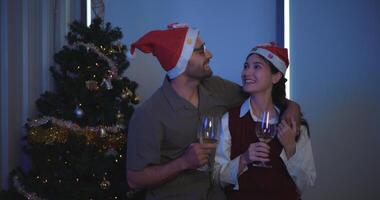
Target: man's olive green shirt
{"x": 163, "y": 127}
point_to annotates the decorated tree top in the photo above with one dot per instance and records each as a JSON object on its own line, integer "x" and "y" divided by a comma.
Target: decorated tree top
{"x": 90, "y": 89}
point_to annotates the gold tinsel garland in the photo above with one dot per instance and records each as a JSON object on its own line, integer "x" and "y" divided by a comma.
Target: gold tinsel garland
{"x": 71, "y": 125}
{"x": 58, "y": 132}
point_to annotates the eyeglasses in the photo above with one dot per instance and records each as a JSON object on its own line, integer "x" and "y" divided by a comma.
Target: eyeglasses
{"x": 201, "y": 49}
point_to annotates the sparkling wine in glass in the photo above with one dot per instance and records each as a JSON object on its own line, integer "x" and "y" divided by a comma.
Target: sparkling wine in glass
{"x": 207, "y": 130}
{"x": 207, "y": 133}
{"x": 265, "y": 132}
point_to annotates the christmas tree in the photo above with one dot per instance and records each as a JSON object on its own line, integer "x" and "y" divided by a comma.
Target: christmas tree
{"x": 77, "y": 145}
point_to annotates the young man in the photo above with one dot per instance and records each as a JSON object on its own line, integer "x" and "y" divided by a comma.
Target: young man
{"x": 163, "y": 149}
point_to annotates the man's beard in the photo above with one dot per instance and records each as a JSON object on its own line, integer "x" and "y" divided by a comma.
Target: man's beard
{"x": 200, "y": 74}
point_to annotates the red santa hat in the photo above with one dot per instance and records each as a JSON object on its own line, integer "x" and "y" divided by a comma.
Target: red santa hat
{"x": 172, "y": 47}
{"x": 276, "y": 55}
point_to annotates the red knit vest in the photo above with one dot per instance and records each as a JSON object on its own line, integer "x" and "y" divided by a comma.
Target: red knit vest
{"x": 258, "y": 182}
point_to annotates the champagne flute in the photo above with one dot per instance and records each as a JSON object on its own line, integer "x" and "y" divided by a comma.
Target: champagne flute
{"x": 207, "y": 133}
{"x": 265, "y": 132}
{"x": 207, "y": 129}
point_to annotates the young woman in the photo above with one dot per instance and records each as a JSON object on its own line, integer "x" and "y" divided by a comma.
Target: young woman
{"x": 289, "y": 154}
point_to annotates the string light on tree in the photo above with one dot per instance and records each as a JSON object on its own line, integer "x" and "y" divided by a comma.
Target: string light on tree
{"x": 119, "y": 115}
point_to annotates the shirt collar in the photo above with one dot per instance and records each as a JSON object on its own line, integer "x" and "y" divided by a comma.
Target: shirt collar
{"x": 246, "y": 107}
{"x": 175, "y": 101}
{"x": 204, "y": 90}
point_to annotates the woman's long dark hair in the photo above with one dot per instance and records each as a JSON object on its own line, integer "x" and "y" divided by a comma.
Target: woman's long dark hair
{"x": 279, "y": 93}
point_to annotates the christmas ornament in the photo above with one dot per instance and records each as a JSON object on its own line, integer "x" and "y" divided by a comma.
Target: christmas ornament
{"x": 126, "y": 93}
{"x": 103, "y": 132}
{"x": 78, "y": 112}
{"x": 129, "y": 92}
{"x": 105, "y": 184}
{"x": 107, "y": 84}
{"x": 92, "y": 85}
{"x": 135, "y": 100}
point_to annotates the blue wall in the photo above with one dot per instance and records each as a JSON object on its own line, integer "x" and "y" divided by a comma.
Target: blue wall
{"x": 335, "y": 49}
{"x": 229, "y": 29}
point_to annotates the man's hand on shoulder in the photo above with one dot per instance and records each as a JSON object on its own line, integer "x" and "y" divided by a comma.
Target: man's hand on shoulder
{"x": 292, "y": 112}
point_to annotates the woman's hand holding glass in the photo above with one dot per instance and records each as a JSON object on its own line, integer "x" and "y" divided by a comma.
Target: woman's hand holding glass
{"x": 265, "y": 132}
{"x": 257, "y": 152}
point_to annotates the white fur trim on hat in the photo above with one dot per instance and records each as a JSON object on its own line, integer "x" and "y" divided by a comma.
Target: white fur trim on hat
{"x": 273, "y": 58}
{"x": 130, "y": 56}
{"x": 187, "y": 51}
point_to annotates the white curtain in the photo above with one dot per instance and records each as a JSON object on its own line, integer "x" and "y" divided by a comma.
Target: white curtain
{"x": 31, "y": 31}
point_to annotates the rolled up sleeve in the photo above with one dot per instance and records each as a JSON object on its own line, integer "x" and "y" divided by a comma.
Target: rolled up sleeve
{"x": 144, "y": 140}
{"x": 301, "y": 165}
